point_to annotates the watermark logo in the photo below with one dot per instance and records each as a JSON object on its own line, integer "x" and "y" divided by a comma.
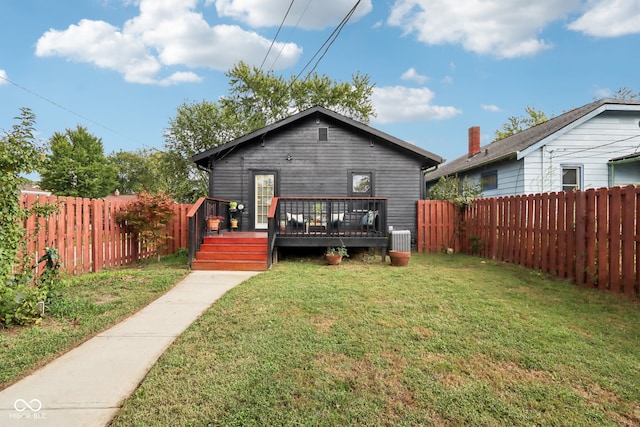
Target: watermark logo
{"x": 22, "y": 405}
{"x": 28, "y": 409}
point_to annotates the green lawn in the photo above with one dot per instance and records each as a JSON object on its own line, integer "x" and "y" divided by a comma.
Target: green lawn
{"x": 89, "y": 304}
{"x": 448, "y": 340}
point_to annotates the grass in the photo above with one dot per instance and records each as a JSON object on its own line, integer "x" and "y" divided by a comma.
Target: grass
{"x": 88, "y": 305}
{"x": 448, "y": 340}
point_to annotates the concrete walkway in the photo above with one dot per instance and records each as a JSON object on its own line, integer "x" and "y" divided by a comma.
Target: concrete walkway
{"x": 86, "y": 386}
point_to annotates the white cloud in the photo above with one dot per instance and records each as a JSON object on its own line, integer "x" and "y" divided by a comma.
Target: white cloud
{"x": 403, "y": 104}
{"x": 602, "y": 92}
{"x": 488, "y": 27}
{"x": 412, "y": 74}
{"x": 447, "y": 80}
{"x": 490, "y": 108}
{"x": 166, "y": 33}
{"x": 314, "y": 15}
{"x": 609, "y": 18}
{"x": 3, "y": 76}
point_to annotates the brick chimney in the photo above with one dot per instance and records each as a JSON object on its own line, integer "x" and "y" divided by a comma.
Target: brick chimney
{"x": 474, "y": 140}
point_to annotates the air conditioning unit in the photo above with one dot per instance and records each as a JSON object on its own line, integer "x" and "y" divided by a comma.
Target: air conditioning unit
{"x": 400, "y": 240}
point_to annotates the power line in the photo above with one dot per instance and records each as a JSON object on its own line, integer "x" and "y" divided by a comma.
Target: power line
{"x": 329, "y": 42}
{"x": 290, "y": 34}
{"x": 58, "y": 105}
{"x": 573, "y": 152}
{"x": 277, "y": 32}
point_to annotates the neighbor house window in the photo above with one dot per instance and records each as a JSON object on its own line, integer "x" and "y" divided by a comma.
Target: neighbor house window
{"x": 571, "y": 177}
{"x": 489, "y": 180}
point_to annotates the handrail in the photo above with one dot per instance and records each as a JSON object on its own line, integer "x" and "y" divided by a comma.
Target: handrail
{"x": 197, "y": 215}
{"x": 271, "y": 229}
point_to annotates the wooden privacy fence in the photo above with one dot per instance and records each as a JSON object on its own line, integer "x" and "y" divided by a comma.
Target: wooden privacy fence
{"x": 591, "y": 237}
{"x": 437, "y": 222}
{"x": 87, "y": 236}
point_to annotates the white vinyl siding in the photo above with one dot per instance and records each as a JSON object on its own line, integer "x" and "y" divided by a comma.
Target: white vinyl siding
{"x": 590, "y": 145}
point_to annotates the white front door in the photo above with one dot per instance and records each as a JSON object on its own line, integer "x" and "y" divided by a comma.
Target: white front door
{"x": 264, "y": 192}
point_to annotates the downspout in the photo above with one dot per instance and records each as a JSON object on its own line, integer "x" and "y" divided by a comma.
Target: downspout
{"x": 544, "y": 149}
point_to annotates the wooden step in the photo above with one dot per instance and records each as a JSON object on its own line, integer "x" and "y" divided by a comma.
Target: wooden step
{"x": 232, "y": 251}
{"x": 233, "y": 247}
{"x": 247, "y": 256}
{"x": 229, "y": 265}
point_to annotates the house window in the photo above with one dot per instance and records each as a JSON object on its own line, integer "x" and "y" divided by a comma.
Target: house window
{"x": 571, "y": 177}
{"x": 489, "y": 180}
{"x": 323, "y": 134}
{"x": 361, "y": 184}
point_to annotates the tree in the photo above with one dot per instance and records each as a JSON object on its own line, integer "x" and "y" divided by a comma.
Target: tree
{"x": 461, "y": 193}
{"x": 518, "y": 124}
{"x": 19, "y": 154}
{"x": 451, "y": 188}
{"x": 77, "y": 166}
{"x": 626, "y": 93}
{"x": 140, "y": 170}
{"x": 149, "y": 216}
{"x": 255, "y": 99}
{"x": 20, "y": 291}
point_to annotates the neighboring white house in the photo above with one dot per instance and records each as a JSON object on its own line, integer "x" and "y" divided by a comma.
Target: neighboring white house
{"x": 596, "y": 145}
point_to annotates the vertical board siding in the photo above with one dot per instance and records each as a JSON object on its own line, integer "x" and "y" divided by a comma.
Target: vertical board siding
{"x": 590, "y": 237}
{"x": 87, "y": 236}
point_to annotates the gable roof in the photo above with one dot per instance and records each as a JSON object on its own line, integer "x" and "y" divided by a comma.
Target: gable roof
{"x": 522, "y": 143}
{"x": 429, "y": 159}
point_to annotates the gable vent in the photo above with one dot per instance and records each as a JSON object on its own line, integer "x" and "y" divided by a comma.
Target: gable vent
{"x": 323, "y": 134}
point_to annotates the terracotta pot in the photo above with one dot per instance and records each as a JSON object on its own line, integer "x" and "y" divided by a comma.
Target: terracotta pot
{"x": 333, "y": 259}
{"x": 399, "y": 258}
{"x": 213, "y": 224}
{"x": 234, "y": 223}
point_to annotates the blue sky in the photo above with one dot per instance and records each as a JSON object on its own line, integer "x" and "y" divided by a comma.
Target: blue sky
{"x": 122, "y": 67}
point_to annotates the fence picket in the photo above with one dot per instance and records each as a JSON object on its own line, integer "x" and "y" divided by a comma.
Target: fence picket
{"x": 86, "y": 234}
{"x": 592, "y": 237}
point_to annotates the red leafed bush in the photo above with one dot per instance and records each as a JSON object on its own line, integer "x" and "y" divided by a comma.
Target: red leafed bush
{"x": 149, "y": 216}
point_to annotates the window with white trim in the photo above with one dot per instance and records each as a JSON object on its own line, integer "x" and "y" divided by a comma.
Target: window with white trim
{"x": 571, "y": 177}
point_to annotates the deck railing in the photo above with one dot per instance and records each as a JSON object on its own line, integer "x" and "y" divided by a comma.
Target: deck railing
{"x": 329, "y": 216}
{"x": 197, "y": 216}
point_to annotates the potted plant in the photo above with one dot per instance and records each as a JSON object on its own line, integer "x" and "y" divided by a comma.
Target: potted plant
{"x": 234, "y": 222}
{"x": 213, "y": 222}
{"x": 334, "y": 254}
{"x": 399, "y": 258}
{"x": 233, "y": 205}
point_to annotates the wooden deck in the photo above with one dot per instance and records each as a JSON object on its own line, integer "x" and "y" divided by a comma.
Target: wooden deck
{"x": 292, "y": 222}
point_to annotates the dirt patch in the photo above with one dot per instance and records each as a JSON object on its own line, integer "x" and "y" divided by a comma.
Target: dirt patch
{"x": 104, "y": 299}
{"x": 323, "y": 324}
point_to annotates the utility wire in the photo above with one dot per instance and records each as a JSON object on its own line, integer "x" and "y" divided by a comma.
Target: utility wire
{"x": 277, "y": 32}
{"x": 572, "y": 152}
{"x": 290, "y": 34}
{"x": 330, "y": 40}
{"x": 58, "y": 105}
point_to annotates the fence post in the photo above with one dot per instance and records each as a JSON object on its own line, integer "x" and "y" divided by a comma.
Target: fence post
{"x": 96, "y": 235}
{"x": 628, "y": 239}
{"x": 614, "y": 239}
{"x": 602, "y": 234}
{"x": 590, "y": 237}
{"x": 580, "y": 234}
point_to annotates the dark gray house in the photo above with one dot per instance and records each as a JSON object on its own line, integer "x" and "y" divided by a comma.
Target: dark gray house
{"x": 330, "y": 177}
